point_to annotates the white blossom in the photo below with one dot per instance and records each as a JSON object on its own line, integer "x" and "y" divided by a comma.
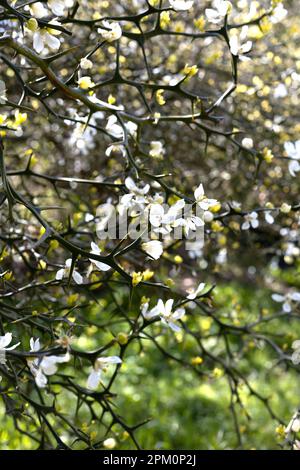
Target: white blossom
{"x": 4, "y": 343}
{"x": 280, "y": 91}
{"x": 195, "y": 292}
{"x": 239, "y": 49}
{"x": 296, "y": 353}
{"x": 278, "y": 13}
{"x": 46, "y": 37}
{"x": 85, "y": 63}
{"x": 41, "y": 367}
{"x": 153, "y": 248}
{"x": 156, "y": 149}
{"x": 294, "y": 424}
{"x": 58, "y": 7}
{"x": 287, "y": 300}
{"x": 293, "y": 151}
{"x": 181, "y": 5}
{"x": 250, "y": 221}
{"x": 218, "y": 12}
{"x": 64, "y": 272}
{"x": 113, "y": 31}
{"x": 165, "y": 312}
{"x": 100, "y": 366}
{"x": 269, "y": 217}
{"x": 202, "y": 200}
{"x": 247, "y": 142}
{"x": 99, "y": 265}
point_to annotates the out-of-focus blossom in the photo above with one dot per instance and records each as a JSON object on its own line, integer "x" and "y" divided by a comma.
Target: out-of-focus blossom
{"x": 247, "y": 142}
{"x": 181, "y": 5}
{"x": 156, "y": 149}
{"x": 293, "y": 151}
{"x": 287, "y": 300}
{"x": 294, "y": 424}
{"x": 278, "y": 13}
{"x": 195, "y": 292}
{"x": 218, "y": 12}
{"x": 296, "y": 353}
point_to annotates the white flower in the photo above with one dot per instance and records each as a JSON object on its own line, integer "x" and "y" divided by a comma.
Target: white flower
{"x": 116, "y": 130}
{"x": 247, "y": 142}
{"x": 219, "y": 11}
{"x": 202, "y": 201}
{"x": 153, "y": 248}
{"x": 181, "y": 5}
{"x": 294, "y": 424}
{"x": 64, "y": 272}
{"x": 136, "y": 198}
{"x": 156, "y": 149}
{"x": 239, "y": 49}
{"x": 58, "y": 7}
{"x": 164, "y": 311}
{"x": 189, "y": 222}
{"x": 293, "y": 151}
{"x": 250, "y": 221}
{"x": 296, "y": 353}
{"x": 113, "y": 31}
{"x": 115, "y": 148}
{"x": 163, "y": 222}
{"x": 280, "y": 91}
{"x": 100, "y": 366}
{"x": 279, "y": 13}
{"x": 38, "y": 10}
{"x": 99, "y": 265}
{"x": 4, "y": 342}
{"x": 44, "y": 366}
{"x": 85, "y": 63}
{"x": 109, "y": 443}
{"x": 287, "y": 300}
{"x": 269, "y": 217}
{"x": 133, "y": 188}
{"x": 195, "y": 292}
{"x": 46, "y": 37}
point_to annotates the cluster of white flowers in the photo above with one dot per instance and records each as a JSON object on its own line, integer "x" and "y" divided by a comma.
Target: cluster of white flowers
{"x": 42, "y": 366}
{"x": 57, "y": 7}
{"x": 165, "y": 312}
